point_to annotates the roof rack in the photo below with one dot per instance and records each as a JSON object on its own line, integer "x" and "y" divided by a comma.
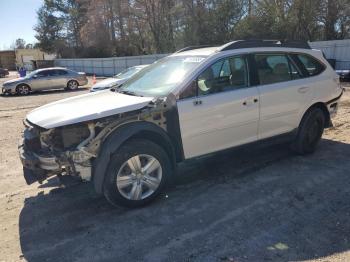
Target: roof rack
{"x": 264, "y": 43}
{"x": 192, "y": 48}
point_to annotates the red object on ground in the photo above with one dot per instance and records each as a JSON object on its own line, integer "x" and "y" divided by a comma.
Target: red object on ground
{"x": 94, "y": 79}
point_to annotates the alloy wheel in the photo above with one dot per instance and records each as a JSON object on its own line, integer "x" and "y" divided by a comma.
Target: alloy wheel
{"x": 139, "y": 177}
{"x": 72, "y": 85}
{"x": 23, "y": 90}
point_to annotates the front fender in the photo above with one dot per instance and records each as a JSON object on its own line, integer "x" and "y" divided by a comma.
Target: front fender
{"x": 14, "y": 86}
{"x": 114, "y": 141}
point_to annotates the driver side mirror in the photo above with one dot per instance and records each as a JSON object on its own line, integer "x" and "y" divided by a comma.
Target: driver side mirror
{"x": 35, "y": 76}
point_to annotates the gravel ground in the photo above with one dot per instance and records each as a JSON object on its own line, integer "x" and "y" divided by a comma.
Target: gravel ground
{"x": 259, "y": 205}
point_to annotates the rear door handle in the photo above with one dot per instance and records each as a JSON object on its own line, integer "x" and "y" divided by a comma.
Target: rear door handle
{"x": 303, "y": 89}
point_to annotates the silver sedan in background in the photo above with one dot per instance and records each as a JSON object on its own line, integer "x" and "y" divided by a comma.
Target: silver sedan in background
{"x": 118, "y": 79}
{"x": 45, "y": 79}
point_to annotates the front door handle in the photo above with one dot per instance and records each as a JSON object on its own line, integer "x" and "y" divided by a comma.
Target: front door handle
{"x": 303, "y": 89}
{"x": 250, "y": 102}
{"x": 197, "y": 102}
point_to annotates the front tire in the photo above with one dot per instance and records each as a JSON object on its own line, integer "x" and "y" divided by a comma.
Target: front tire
{"x": 310, "y": 132}
{"x": 23, "y": 90}
{"x": 136, "y": 174}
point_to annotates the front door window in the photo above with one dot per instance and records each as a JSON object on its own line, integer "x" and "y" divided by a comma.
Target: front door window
{"x": 224, "y": 75}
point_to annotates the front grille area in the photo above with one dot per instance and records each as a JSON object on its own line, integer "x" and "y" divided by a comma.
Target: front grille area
{"x": 33, "y": 144}
{"x": 32, "y": 140}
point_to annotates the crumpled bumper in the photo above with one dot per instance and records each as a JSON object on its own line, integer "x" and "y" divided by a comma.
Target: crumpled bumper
{"x": 36, "y": 167}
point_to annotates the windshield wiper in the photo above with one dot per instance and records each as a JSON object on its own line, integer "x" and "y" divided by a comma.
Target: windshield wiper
{"x": 127, "y": 92}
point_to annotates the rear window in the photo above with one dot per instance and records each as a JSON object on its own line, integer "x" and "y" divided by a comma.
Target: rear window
{"x": 312, "y": 65}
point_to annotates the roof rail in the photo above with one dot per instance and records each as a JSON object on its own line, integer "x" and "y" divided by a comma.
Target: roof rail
{"x": 264, "y": 43}
{"x": 192, "y": 48}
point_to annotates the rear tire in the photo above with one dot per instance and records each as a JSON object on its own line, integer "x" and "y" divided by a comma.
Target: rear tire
{"x": 310, "y": 132}
{"x": 137, "y": 173}
{"x": 72, "y": 85}
{"x": 23, "y": 90}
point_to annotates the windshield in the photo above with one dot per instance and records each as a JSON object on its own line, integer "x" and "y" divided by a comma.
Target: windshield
{"x": 162, "y": 76}
{"x": 32, "y": 74}
{"x": 128, "y": 72}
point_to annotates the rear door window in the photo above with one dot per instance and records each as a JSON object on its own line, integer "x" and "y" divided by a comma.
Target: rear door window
{"x": 294, "y": 70}
{"x": 62, "y": 72}
{"x": 275, "y": 68}
{"x": 53, "y": 73}
{"x": 311, "y": 65}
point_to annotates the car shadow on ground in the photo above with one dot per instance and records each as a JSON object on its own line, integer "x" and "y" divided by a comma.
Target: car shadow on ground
{"x": 251, "y": 205}
{"x": 47, "y": 92}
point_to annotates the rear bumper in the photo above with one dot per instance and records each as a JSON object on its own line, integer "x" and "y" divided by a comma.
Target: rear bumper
{"x": 83, "y": 82}
{"x": 333, "y": 104}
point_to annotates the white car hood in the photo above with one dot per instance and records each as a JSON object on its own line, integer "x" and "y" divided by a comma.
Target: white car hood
{"x": 84, "y": 108}
{"x": 107, "y": 82}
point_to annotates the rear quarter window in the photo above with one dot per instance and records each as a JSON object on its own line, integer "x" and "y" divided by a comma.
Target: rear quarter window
{"x": 311, "y": 65}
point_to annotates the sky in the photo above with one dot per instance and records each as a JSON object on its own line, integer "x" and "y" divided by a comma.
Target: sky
{"x": 17, "y": 19}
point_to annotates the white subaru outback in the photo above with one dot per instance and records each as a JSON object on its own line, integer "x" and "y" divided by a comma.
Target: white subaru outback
{"x": 194, "y": 102}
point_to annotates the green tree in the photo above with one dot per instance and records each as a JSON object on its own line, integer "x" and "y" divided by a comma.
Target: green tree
{"x": 49, "y": 30}
{"x": 20, "y": 43}
{"x": 89, "y": 28}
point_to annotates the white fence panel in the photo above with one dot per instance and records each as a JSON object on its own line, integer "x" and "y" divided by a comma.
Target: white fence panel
{"x": 106, "y": 66}
{"x": 336, "y": 49}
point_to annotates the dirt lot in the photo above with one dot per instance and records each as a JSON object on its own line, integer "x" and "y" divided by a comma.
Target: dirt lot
{"x": 260, "y": 205}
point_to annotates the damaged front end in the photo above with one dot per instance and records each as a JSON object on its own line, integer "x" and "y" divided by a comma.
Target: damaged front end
{"x": 56, "y": 151}
{"x": 73, "y": 148}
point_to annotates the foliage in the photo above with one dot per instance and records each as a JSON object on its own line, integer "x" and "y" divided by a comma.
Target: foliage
{"x": 20, "y": 43}
{"x": 101, "y": 28}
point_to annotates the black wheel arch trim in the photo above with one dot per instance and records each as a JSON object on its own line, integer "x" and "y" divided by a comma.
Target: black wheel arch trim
{"x": 117, "y": 138}
{"x": 335, "y": 99}
{"x": 26, "y": 84}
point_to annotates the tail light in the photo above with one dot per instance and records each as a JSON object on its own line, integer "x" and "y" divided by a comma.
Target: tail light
{"x": 82, "y": 75}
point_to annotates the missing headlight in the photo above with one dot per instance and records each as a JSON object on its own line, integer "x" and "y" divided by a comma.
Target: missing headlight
{"x": 72, "y": 136}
